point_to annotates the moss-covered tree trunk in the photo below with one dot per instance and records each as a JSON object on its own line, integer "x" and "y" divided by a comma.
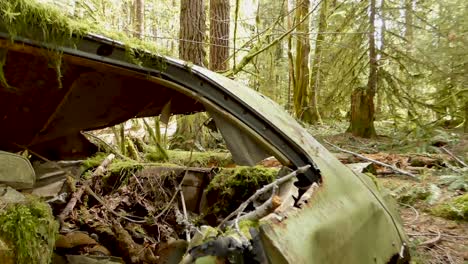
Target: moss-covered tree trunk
{"x": 191, "y": 35}
{"x": 301, "y": 77}
{"x": 219, "y": 34}
{"x": 362, "y": 100}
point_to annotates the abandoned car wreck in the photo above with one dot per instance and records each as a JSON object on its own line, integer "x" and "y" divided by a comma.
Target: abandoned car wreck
{"x": 307, "y": 208}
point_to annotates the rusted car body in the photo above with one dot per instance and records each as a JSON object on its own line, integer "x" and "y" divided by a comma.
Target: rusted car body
{"x": 347, "y": 219}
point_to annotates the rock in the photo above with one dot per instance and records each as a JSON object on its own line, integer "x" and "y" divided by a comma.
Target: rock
{"x": 49, "y": 190}
{"x": 16, "y": 171}
{"x": 74, "y": 239}
{"x": 9, "y": 195}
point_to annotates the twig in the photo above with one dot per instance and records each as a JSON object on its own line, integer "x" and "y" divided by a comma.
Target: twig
{"x": 264, "y": 209}
{"x": 264, "y": 189}
{"x": 168, "y": 205}
{"x": 374, "y": 161}
{"x": 77, "y": 195}
{"x": 184, "y": 210}
{"x": 454, "y": 157}
{"x": 414, "y": 210}
{"x": 105, "y": 144}
{"x": 431, "y": 242}
{"x": 431, "y": 234}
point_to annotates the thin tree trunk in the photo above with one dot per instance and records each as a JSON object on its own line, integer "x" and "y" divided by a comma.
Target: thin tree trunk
{"x": 362, "y": 99}
{"x": 291, "y": 79}
{"x": 139, "y": 18}
{"x": 219, "y": 34}
{"x": 300, "y": 94}
{"x": 315, "y": 78}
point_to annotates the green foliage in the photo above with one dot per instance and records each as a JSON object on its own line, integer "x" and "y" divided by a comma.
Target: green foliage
{"x": 32, "y": 229}
{"x": 454, "y": 182}
{"x": 454, "y": 209}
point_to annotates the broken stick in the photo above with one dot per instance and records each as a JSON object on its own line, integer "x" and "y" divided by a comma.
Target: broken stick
{"x": 263, "y": 190}
{"x": 395, "y": 169}
{"x": 77, "y": 195}
{"x": 454, "y": 157}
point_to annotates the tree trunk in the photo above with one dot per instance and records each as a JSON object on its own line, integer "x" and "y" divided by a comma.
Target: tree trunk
{"x": 300, "y": 94}
{"x": 465, "y": 128}
{"x": 219, "y": 34}
{"x": 409, "y": 21}
{"x": 362, "y": 100}
{"x": 315, "y": 78}
{"x": 192, "y": 31}
{"x": 139, "y": 19}
{"x": 191, "y": 35}
{"x": 291, "y": 79}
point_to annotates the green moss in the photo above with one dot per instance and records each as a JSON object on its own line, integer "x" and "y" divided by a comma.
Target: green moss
{"x": 194, "y": 159}
{"x": 93, "y": 161}
{"x": 230, "y": 187}
{"x": 454, "y": 209}
{"x": 31, "y": 229}
{"x": 54, "y": 27}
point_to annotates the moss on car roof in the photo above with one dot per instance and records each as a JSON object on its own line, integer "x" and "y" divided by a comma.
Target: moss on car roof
{"x": 18, "y": 16}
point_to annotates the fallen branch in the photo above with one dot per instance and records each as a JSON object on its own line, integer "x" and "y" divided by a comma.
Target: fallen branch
{"x": 264, "y": 209}
{"x": 375, "y": 161}
{"x": 431, "y": 242}
{"x": 454, "y": 157}
{"x": 263, "y": 190}
{"x": 77, "y": 195}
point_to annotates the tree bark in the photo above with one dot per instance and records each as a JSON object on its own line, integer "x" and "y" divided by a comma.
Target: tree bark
{"x": 362, "y": 100}
{"x": 139, "y": 19}
{"x": 192, "y": 31}
{"x": 191, "y": 35}
{"x": 300, "y": 93}
{"x": 315, "y": 78}
{"x": 219, "y": 34}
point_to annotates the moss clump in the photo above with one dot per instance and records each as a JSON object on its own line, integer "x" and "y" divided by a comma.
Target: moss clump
{"x": 231, "y": 187}
{"x": 194, "y": 159}
{"x": 200, "y": 159}
{"x": 93, "y": 161}
{"x": 31, "y": 229}
{"x": 454, "y": 209}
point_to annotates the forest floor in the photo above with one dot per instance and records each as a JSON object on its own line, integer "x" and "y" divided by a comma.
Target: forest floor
{"x": 434, "y": 239}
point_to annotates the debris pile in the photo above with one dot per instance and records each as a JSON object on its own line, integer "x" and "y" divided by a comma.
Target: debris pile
{"x": 112, "y": 210}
